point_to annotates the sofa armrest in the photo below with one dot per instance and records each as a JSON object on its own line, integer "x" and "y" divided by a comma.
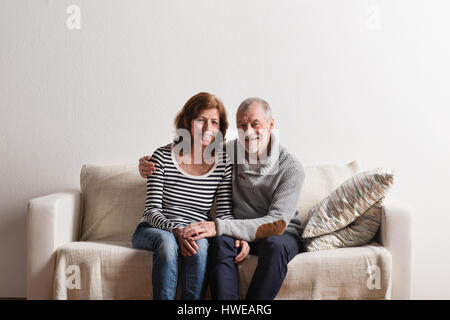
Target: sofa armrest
{"x": 395, "y": 236}
{"x": 52, "y": 221}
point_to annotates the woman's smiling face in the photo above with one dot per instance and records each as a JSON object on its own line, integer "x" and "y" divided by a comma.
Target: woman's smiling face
{"x": 205, "y": 126}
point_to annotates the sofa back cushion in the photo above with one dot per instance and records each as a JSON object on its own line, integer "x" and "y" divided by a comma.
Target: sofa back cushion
{"x": 114, "y": 197}
{"x": 113, "y": 200}
{"x": 319, "y": 182}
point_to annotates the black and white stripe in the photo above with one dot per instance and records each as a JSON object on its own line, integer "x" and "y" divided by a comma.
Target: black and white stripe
{"x": 175, "y": 199}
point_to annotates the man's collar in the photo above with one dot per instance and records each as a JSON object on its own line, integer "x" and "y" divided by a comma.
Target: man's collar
{"x": 264, "y": 166}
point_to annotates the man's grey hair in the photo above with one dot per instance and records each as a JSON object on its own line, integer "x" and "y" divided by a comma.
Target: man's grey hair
{"x": 247, "y": 102}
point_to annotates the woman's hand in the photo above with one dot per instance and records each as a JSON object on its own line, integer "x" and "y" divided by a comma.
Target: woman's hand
{"x": 187, "y": 247}
{"x": 146, "y": 167}
{"x": 199, "y": 230}
{"x": 245, "y": 249}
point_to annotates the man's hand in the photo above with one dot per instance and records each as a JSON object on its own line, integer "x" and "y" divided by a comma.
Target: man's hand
{"x": 199, "y": 230}
{"x": 245, "y": 249}
{"x": 187, "y": 247}
{"x": 146, "y": 167}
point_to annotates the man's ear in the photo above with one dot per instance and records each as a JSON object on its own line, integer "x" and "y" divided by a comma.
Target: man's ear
{"x": 271, "y": 123}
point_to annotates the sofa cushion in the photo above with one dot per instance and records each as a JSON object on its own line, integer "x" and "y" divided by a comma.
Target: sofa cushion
{"x": 319, "y": 182}
{"x": 114, "y": 270}
{"x": 348, "y": 202}
{"x": 107, "y": 270}
{"x": 346, "y": 273}
{"x": 113, "y": 200}
{"x": 114, "y": 197}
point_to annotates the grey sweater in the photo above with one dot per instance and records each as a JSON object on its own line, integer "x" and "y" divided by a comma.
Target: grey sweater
{"x": 265, "y": 197}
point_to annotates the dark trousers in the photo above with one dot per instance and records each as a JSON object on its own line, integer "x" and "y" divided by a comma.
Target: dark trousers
{"x": 274, "y": 253}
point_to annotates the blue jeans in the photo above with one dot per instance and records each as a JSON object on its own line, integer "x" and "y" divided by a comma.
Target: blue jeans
{"x": 166, "y": 264}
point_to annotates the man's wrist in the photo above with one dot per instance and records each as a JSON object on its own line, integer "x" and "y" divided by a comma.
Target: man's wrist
{"x": 220, "y": 227}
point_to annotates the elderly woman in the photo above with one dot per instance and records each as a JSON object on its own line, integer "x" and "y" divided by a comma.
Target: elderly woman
{"x": 181, "y": 191}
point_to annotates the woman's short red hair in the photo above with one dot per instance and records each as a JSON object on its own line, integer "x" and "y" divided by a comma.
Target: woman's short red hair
{"x": 196, "y": 104}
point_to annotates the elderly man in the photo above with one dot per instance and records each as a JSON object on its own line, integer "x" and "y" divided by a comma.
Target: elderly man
{"x": 267, "y": 181}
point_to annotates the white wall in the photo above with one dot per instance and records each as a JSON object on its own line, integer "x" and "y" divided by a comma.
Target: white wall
{"x": 348, "y": 79}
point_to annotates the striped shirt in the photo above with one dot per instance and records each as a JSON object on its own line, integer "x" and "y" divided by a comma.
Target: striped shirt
{"x": 176, "y": 198}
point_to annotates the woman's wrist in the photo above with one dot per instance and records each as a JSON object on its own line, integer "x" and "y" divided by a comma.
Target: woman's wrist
{"x": 176, "y": 231}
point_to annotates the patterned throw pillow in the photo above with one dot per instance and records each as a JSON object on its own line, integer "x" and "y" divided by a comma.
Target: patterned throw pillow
{"x": 363, "y": 193}
{"x": 358, "y": 233}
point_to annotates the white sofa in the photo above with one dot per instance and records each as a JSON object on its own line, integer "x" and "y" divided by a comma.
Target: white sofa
{"x": 64, "y": 231}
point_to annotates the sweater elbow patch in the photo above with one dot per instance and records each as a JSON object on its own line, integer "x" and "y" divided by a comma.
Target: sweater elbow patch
{"x": 270, "y": 229}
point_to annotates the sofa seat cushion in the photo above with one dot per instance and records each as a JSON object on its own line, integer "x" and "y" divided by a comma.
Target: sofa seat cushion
{"x": 107, "y": 270}
{"x": 345, "y": 273}
{"x": 114, "y": 270}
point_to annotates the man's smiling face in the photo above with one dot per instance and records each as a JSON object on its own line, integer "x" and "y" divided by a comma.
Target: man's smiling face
{"x": 253, "y": 128}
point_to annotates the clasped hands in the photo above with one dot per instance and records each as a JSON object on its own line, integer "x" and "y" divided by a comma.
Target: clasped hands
{"x": 187, "y": 237}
